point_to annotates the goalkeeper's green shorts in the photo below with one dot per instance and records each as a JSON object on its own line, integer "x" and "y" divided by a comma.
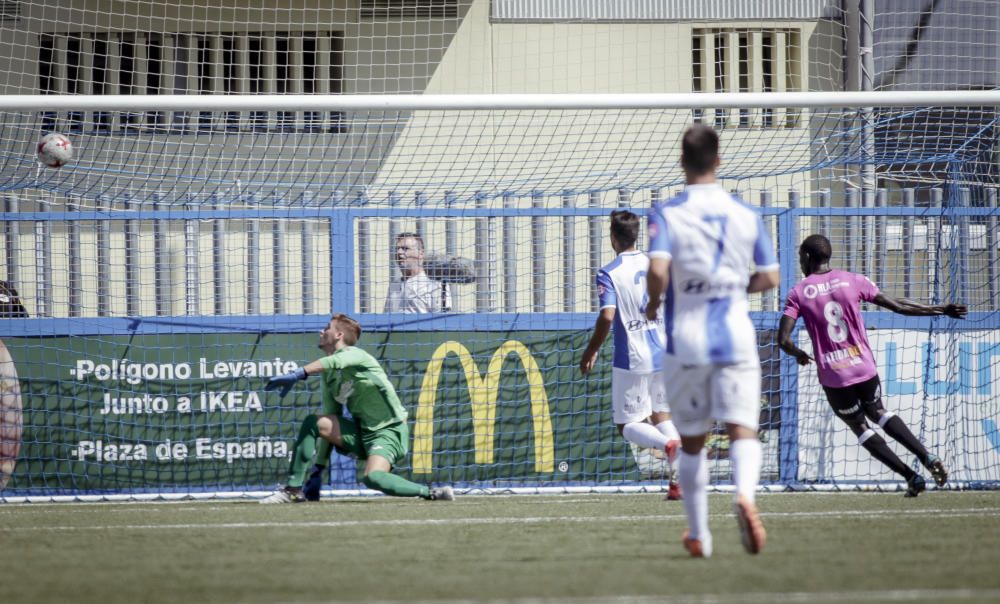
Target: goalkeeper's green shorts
{"x": 391, "y": 442}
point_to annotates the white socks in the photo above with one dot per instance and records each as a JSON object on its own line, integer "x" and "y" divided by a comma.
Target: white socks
{"x": 668, "y": 430}
{"x": 644, "y": 435}
{"x": 692, "y": 473}
{"x": 885, "y": 418}
{"x": 745, "y": 455}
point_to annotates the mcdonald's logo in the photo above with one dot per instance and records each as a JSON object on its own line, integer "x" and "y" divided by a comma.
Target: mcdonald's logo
{"x": 483, "y": 397}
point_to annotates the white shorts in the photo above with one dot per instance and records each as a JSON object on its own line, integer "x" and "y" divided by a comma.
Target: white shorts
{"x": 634, "y": 396}
{"x": 704, "y": 394}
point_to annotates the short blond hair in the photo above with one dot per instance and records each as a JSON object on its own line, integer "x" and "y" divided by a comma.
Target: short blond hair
{"x": 349, "y": 327}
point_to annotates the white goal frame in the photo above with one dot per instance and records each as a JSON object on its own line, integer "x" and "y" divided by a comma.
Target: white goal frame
{"x": 409, "y": 102}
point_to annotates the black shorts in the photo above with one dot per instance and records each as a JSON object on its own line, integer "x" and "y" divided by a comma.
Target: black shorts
{"x": 857, "y": 400}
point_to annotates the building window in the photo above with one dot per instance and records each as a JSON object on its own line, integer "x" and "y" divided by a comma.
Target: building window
{"x": 722, "y": 66}
{"x": 767, "y": 75}
{"x": 409, "y": 9}
{"x": 747, "y": 60}
{"x": 744, "y": 75}
{"x": 10, "y": 11}
{"x": 192, "y": 63}
{"x": 697, "y": 77}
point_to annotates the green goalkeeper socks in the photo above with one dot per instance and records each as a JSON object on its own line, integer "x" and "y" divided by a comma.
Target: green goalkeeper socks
{"x": 394, "y": 485}
{"x": 304, "y": 452}
{"x": 323, "y": 448}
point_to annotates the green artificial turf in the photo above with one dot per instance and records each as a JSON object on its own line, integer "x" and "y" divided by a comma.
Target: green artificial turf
{"x": 822, "y": 547}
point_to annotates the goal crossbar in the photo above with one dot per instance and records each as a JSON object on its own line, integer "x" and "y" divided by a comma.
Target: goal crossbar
{"x": 410, "y": 102}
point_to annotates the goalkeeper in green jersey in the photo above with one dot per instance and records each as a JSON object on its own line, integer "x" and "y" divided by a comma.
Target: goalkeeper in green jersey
{"x": 376, "y": 432}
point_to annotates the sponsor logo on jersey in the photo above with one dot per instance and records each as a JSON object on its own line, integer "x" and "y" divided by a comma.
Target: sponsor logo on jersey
{"x": 843, "y": 358}
{"x": 700, "y": 286}
{"x": 812, "y": 290}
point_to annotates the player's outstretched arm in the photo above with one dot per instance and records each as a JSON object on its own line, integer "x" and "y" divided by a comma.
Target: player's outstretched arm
{"x": 284, "y": 383}
{"x": 785, "y": 341}
{"x": 915, "y": 309}
{"x": 601, "y": 328}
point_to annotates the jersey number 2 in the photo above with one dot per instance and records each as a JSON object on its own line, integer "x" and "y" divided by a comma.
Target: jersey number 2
{"x": 639, "y": 277}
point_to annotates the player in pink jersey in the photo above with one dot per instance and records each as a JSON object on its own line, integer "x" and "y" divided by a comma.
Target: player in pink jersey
{"x": 829, "y": 302}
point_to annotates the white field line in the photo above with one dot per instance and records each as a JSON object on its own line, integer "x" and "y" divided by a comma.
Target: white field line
{"x": 217, "y": 505}
{"x": 496, "y": 492}
{"x": 798, "y": 597}
{"x": 468, "y": 498}
{"x": 511, "y": 520}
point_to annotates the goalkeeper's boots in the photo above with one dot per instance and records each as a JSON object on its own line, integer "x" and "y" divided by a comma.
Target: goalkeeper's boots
{"x": 310, "y": 490}
{"x": 694, "y": 546}
{"x": 937, "y": 470}
{"x": 285, "y": 495}
{"x": 752, "y": 532}
{"x": 442, "y": 494}
{"x": 915, "y": 486}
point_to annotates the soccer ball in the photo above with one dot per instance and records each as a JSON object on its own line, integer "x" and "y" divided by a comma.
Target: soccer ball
{"x": 54, "y": 150}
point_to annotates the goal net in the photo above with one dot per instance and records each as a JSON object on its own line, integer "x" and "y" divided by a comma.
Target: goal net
{"x": 238, "y": 176}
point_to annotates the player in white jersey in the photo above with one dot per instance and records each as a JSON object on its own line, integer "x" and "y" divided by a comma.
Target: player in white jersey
{"x": 702, "y": 243}
{"x": 638, "y": 394}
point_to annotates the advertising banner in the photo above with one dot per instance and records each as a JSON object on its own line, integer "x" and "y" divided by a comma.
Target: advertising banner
{"x": 187, "y": 412}
{"x": 943, "y": 387}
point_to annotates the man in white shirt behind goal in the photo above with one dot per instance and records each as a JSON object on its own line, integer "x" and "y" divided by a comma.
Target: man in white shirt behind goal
{"x": 416, "y": 292}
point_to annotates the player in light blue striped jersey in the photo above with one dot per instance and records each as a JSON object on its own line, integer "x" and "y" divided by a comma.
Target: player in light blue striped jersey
{"x": 638, "y": 397}
{"x": 702, "y": 245}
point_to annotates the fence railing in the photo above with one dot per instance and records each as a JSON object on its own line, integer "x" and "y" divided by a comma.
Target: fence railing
{"x": 215, "y": 265}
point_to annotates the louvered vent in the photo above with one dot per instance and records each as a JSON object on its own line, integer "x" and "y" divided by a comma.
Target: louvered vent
{"x": 409, "y": 9}
{"x": 10, "y": 11}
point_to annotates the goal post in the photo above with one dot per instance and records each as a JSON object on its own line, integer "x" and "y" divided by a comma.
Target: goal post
{"x": 194, "y": 245}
